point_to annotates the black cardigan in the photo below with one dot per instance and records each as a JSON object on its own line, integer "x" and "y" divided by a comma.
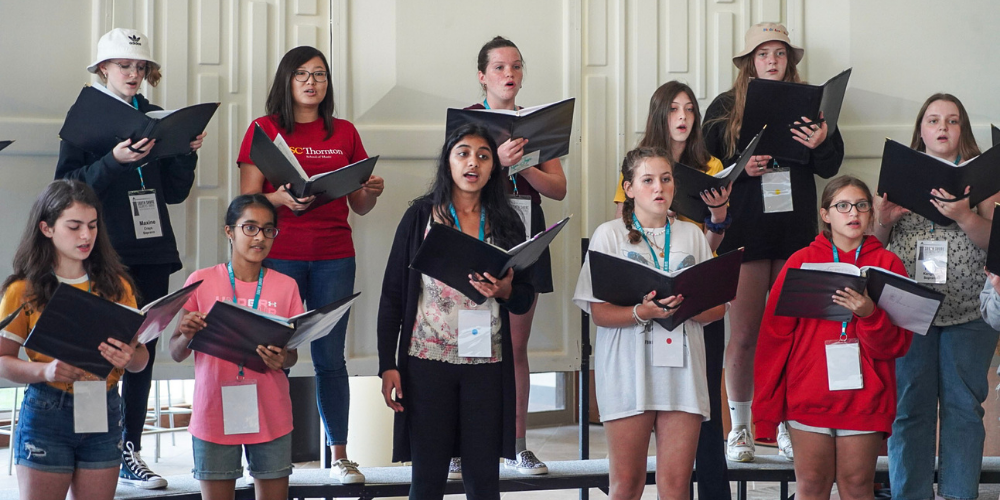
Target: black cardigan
{"x": 170, "y": 177}
{"x": 751, "y": 227}
{"x": 397, "y": 313}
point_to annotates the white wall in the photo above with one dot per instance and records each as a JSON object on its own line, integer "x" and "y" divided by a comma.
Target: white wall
{"x": 398, "y": 64}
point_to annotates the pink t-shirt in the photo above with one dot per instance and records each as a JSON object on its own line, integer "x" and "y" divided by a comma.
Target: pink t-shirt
{"x": 279, "y": 295}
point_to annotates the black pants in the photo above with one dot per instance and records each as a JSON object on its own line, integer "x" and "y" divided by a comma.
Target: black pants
{"x": 451, "y": 404}
{"x": 710, "y": 459}
{"x": 152, "y": 283}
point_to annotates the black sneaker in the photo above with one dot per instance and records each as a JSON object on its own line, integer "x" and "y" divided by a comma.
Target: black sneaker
{"x": 134, "y": 471}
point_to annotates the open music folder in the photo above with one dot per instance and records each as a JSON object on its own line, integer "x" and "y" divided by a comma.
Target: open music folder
{"x": 233, "y": 332}
{"x": 779, "y": 105}
{"x": 279, "y": 165}
{"x": 808, "y": 293}
{"x": 97, "y": 122}
{"x": 690, "y": 182}
{"x": 450, "y": 256}
{"x": 993, "y": 252}
{"x": 4, "y": 144}
{"x": 547, "y": 127}
{"x": 75, "y": 322}
{"x": 996, "y": 134}
{"x": 907, "y": 177}
{"x": 622, "y": 282}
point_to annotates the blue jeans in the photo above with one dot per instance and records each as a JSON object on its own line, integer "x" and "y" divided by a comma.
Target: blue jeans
{"x": 216, "y": 462}
{"x": 948, "y": 366}
{"x": 320, "y": 283}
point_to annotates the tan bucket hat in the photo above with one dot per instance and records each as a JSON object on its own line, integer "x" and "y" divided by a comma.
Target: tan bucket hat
{"x": 121, "y": 43}
{"x": 767, "y": 32}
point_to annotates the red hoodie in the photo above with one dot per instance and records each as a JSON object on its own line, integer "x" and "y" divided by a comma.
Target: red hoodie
{"x": 790, "y": 379}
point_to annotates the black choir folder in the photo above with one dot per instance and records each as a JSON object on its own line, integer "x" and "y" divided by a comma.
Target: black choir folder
{"x": 278, "y": 164}
{"x": 623, "y": 282}
{"x": 233, "y": 332}
{"x": 907, "y": 177}
{"x": 993, "y": 252}
{"x": 690, "y": 182}
{"x": 996, "y": 134}
{"x": 4, "y": 144}
{"x": 808, "y": 293}
{"x": 74, "y": 323}
{"x": 450, "y": 256}
{"x": 547, "y": 127}
{"x": 779, "y": 104}
{"x": 97, "y": 122}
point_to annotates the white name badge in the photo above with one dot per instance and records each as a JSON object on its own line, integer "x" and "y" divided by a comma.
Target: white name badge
{"x": 475, "y": 334}
{"x": 522, "y": 205}
{"x": 776, "y": 187}
{"x": 843, "y": 365}
{"x": 528, "y": 160}
{"x": 145, "y": 214}
{"x": 668, "y": 346}
{"x": 90, "y": 406}
{"x": 932, "y": 262}
{"x": 239, "y": 408}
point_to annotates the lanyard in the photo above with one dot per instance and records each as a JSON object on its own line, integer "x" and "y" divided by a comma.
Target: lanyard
{"x": 666, "y": 244}
{"x": 482, "y": 220}
{"x": 836, "y": 258}
{"x": 232, "y": 281}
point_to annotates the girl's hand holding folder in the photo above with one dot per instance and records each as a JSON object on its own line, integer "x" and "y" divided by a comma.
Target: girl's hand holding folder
{"x": 490, "y": 286}
{"x": 192, "y": 323}
{"x": 58, "y": 371}
{"x": 118, "y": 353}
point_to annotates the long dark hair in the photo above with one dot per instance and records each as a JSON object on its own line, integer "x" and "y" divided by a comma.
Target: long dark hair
{"x": 36, "y": 255}
{"x": 632, "y": 160}
{"x": 484, "y": 53}
{"x": 241, "y": 202}
{"x": 657, "y": 133}
{"x": 280, "y": 103}
{"x": 505, "y": 227}
{"x": 967, "y": 147}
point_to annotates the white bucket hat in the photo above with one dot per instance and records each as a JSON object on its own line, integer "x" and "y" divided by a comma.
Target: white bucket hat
{"x": 767, "y": 32}
{"x": 121, "y": 43}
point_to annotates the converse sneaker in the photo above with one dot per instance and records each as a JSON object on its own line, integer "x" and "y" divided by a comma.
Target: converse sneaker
{"x": 347, "y": 472}
{"x": 739, "y": 446}
{"x": 526, "y": 463}
{"x": 785, "y": 443}
{"x": 134, "y": 471}
{"x": 455, "y": 469}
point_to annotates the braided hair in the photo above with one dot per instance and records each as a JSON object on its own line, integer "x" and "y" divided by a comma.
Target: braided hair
{"x": 632, "y": 161}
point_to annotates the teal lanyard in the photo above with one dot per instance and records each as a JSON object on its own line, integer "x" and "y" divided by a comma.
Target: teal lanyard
{"x": 836, "y": 258}
{"x": 482, "y": 220}
{"x": 260, "y": 284}
{"x": 666, "y": 244}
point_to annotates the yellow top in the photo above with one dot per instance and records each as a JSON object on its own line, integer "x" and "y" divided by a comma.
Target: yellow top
{"x": 714, "y": 167}
{"x": 22, "y": 325}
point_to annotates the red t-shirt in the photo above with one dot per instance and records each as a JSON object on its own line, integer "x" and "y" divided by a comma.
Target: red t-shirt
{"x": 322, "y": 233}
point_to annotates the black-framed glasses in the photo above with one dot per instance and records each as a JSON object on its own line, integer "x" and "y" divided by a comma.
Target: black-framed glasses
{"x": 126, "y": 69}
{"x": 302, "y": 75}
{"x": 845, "y": 207}
{"x": 252, "y": 230}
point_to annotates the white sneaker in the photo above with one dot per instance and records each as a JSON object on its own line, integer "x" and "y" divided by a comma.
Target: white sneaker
{"x": 455, "y": 469}
{"x": 527, "y": 463}
{"x": 739, "y": 446}
{"x": 347, "y": 472}
{"x": 785, "y": 443}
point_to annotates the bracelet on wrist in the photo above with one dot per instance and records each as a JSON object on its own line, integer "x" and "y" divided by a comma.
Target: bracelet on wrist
{"x": 720, "y": 227}
{"x": 635, "y": 316}
{"x": 720, "y": 205}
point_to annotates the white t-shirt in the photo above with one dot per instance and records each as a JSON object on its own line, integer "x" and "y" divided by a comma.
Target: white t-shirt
{"x": 627, "y": 382}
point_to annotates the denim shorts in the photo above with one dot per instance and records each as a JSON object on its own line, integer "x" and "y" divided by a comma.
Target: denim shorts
{"x": 214, "y": 462}
{"x": 45, "y": 439}
{"x": 834, "y": 433}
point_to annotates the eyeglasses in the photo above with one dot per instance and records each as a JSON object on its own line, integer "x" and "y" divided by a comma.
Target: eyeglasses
{"x": 126, "y": 69}
{"x": 845, "y": 207}
{"x": 302, "y": 75}
{"x": 252, "y": 230}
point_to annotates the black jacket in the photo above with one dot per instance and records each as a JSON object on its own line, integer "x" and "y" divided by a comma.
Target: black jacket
{"x": 171, "y": 178}
{"x": 397, "y": 313}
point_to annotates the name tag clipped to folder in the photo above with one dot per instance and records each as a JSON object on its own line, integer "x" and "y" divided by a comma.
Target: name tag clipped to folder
{"x": 90, "y": 406}
{"x": 239, "y": 406}
{"x": 145, "y": 214}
